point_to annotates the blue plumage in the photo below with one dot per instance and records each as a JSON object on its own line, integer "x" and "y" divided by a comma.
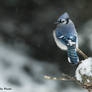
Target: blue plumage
{"x": 72, "y": 55}
{"x": 65, "y": 36}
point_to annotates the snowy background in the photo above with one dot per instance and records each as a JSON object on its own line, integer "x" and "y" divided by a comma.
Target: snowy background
{"x": 25, "y": 74}
{"x": 27, "y": 48}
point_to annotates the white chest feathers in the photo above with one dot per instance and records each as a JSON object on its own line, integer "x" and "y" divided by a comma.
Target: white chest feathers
{"x": 58, "y": 43}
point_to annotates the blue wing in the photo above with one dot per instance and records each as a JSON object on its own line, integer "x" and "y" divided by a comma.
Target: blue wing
{"x": 67, "y": 39}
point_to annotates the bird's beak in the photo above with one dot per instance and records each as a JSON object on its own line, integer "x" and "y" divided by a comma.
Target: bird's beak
{"x": 56, "y": 22}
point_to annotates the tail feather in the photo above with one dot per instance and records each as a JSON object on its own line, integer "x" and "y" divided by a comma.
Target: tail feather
{"x": 72, "y": 55}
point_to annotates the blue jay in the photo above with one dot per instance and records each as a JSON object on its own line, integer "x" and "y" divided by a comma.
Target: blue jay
{"x": 66, "y": 38}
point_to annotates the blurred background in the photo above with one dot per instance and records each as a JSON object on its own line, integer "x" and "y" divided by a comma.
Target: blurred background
{"x": 27, "y": 48}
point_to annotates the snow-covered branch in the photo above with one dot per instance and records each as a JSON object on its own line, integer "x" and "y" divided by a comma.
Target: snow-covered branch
{"x": 84, "y": 73}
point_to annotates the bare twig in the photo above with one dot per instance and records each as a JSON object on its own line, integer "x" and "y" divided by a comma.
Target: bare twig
{"x": 54, "y": 78}
{"x": 82, "y": 53}
{"x": 64, "y": 77}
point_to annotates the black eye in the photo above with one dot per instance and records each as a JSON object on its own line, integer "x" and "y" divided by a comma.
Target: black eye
{"x": 63, "y": 21}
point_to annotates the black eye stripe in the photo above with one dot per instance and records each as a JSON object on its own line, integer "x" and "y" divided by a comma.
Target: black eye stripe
{"x": 61, "y": 21}
{"x": 67, "y": 20}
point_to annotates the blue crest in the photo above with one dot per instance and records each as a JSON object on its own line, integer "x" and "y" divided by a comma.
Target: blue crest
{"x": 63, "y": 16}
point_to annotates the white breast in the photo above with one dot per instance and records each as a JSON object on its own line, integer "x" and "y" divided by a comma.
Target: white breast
{"x": 58, "y": 43}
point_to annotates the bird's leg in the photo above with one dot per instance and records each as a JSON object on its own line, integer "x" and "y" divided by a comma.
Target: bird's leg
{"x": 82, "y": 53}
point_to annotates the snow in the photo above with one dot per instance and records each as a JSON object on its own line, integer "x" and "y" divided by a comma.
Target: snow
{"x": 11, "y": 68}
{"x": 85, "y": 68}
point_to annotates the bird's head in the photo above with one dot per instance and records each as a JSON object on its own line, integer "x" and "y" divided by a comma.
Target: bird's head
{"x": 63, "y": 19}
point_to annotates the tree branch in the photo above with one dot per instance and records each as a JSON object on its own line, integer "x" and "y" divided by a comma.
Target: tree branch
{"x": 82, "y": 53}
{"x": 63, "y": 77}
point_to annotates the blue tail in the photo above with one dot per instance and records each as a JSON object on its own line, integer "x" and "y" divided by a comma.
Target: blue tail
{"x": 72, "y": 55}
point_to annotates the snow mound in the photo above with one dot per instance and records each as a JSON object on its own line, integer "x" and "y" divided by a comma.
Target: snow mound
{"x": 84, "y": 71}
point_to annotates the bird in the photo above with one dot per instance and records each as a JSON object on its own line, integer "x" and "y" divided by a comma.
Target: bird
{"x": 66, "y": 37}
